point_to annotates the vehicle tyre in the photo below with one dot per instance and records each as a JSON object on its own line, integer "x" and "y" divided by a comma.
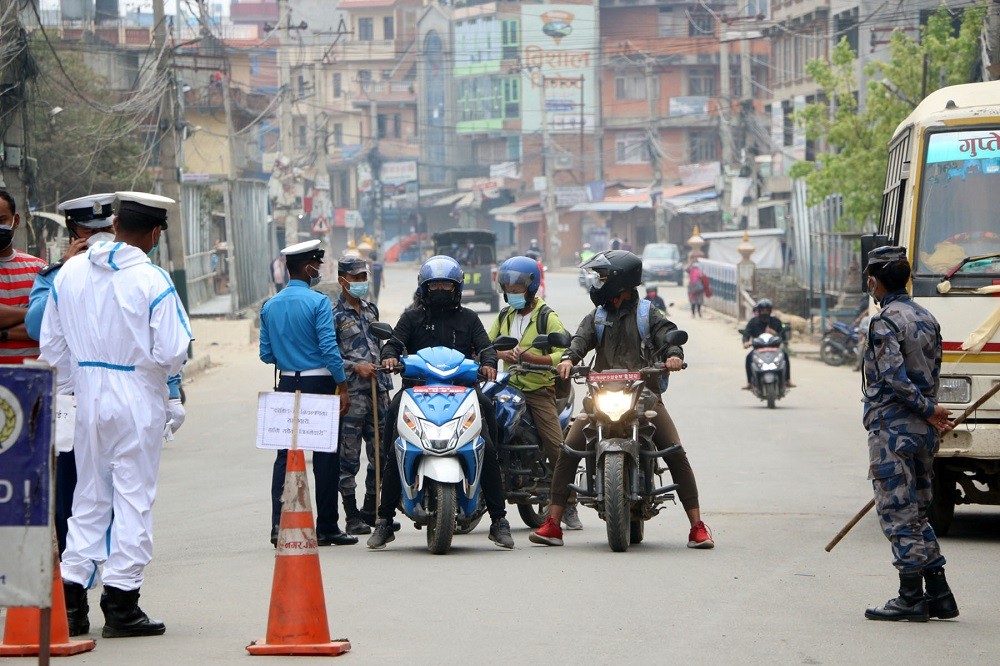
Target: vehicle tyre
{"x": 771, "y": 394}
{"x": 616, "y": 504}
{"x": 441, "y": 526}
{"x": 942, "y": 509}
{"x": 480, "y": 512}
{"x": 636, "y": 531}
{"x": 495, "y": 303}
{"x": 831, "y": 354}
{"x": 533, "y": 514}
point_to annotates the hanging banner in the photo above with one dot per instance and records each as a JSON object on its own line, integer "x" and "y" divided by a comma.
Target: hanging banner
{"x": 27, "y": 424}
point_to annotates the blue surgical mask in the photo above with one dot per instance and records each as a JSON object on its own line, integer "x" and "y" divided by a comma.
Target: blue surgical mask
{"x": 313, "y": 280}
{"x": 153, "y": 249}
{"x": 517, "y": 301}
{"x": 358, "y": 289}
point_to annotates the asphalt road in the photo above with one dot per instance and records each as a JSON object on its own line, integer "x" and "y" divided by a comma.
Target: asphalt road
{"x": 775, "y": 486}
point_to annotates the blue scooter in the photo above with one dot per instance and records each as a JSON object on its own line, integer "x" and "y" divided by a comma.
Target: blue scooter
{"x": 439, "y": 445}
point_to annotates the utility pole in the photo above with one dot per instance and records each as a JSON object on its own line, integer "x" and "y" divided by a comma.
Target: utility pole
{"x": 375, "y": 164}
{"x": 227, "y": 105}
{"x": 653, "y": 141}
{"x": 725, "y": 125}
{"x": 551, "y": 213}
{"x": 285, "y": 85}
{"x": 13, "y": 95}
{"x": 746, "y": 111}
{"x": 170, "y": 185}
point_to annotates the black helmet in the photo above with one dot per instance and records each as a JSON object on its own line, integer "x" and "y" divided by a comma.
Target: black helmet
{"x": 617, "y": 270}
{"x": 763, "y": 304}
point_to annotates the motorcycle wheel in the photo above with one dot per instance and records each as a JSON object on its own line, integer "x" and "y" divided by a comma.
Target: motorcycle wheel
{"x": 830, "y": 354}
{"x": 441, "y": 527}
{"x": 771, "y": 393}
{"x": 636, "y": 531}
{"x": 533, "y": 515}
{"x": 616, "y": 508}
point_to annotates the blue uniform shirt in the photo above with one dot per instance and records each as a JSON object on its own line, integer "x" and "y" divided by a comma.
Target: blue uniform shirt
{"x": 296, "y": 331}
{"x": 37, "y": 301}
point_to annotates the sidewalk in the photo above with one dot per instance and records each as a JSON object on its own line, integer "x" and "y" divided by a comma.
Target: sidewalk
{"x": 218, "y": 340}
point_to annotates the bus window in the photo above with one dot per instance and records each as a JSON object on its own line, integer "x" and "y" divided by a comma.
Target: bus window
{"x": 959, "y": 213}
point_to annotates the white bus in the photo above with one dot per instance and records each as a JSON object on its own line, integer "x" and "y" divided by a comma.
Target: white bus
{"x": 942, "y": 201}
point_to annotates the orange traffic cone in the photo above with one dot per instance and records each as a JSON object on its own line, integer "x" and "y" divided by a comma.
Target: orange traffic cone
{"x": 296, "y": 623}
{"x": 22, "y": 633}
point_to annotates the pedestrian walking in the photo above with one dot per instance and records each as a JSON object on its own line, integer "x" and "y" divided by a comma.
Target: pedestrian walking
{"x": 17, "y": 274}
{"x": 352, "y": 318}
{"x": 696, "y": 289}
{"x": 297, "y": 336}
{"x": 115, "y": 326}
{"x": 377, "y": 276}
{"x": 902, "y": 366}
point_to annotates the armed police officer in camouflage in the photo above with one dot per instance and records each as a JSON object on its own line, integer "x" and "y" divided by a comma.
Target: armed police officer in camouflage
{"x": 620, "y": 343}
{"x": 902, "y": 364}
{"x": 353, "y": 317}
{"x": 440, "y": 320}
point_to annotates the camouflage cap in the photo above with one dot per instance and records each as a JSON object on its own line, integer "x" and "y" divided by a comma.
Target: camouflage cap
{"x": 352, "y": 265}
{"x": 887, "y": 254}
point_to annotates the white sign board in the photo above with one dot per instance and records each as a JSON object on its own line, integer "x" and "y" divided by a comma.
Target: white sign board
{"x": 319, "y": 421}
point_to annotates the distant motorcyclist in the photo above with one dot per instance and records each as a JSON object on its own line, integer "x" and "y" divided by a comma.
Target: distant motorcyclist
{"x": 586, "y": 253}
{"x": 652, "y": 295}
{"x": 764, "y": 322}
{"x": 534, "y": 250}
{"x": 440, "y": 320}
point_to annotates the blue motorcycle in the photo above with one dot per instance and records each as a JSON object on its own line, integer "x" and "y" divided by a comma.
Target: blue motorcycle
{"x": 526, "y": 474}
{"x": 439, "y": 445}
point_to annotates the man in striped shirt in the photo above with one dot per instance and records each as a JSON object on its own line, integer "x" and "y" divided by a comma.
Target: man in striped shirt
{"x": 17, "y": 274}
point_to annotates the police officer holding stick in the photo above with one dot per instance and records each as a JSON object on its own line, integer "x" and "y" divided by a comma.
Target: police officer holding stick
{"x": 902, "y": 366}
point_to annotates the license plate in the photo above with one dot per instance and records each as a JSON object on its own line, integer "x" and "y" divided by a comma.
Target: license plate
{"x": 599, "y": 377}
{"x": 439, "y": 389}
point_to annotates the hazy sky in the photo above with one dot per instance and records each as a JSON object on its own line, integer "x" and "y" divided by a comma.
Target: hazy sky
{"x": 143, "y": 5}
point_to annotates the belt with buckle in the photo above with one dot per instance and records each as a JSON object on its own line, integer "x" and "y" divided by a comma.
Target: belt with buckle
{"x": 315, "y": 372}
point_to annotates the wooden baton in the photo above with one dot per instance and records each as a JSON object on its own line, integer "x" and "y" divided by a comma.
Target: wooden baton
{"x": 871, "y": 503}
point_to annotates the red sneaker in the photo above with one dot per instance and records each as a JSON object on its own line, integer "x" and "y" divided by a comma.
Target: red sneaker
{"x": 699, "y": 536}
{"x": 549, "y": 534}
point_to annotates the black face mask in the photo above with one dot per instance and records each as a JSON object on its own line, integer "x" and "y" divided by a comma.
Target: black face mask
{"x": 6, "y": 238}
{"x": 440, "y": 299}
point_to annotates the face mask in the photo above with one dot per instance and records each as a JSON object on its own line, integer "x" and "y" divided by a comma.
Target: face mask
{"x": 100, "y": 237}
{"x": 440, "y": 299}
{"x": 6, "y": 238}
{"x": 153, "y": 249}
{"x": 517, "y": 301}
{"x": 357, "y": 289}
{"x": 871, "y": 290}
{"x": 313, "y": 279}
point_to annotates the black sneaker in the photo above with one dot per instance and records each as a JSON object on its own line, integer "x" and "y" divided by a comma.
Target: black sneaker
{"x": 382, "y": 535}
{"x": 500, "y": 533}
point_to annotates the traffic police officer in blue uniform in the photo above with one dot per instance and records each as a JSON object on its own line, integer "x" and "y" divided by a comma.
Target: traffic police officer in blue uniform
{"x": 353, "y": 317}
{"x": 297, "y": 336}
{"x": 901, "y": 375}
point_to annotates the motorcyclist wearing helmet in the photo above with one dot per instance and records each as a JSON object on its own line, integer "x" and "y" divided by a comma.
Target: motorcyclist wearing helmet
{"x": 519, "y": 279}
{"x": 586, "y": 253}
{"x": 764, "y": 322}
{"x": 440, "y": 320}
{"x": 653, "y": 296}
{"x": 616, "y": 275}
{"x": 534, "y": 250}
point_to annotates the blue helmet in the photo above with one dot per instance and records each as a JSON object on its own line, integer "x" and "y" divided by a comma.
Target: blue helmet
{"x": 440, "y": 267}
{"x": 520, "y": 270}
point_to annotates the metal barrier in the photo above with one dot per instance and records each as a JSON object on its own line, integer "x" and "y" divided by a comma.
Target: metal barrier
{"x": 724, "y": 282}
{"x": 252, "y": 242}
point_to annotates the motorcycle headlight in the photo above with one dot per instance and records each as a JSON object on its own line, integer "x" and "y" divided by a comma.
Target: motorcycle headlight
{"x": 614, "y": 404}
{"x": 440, "y": 438}
{"x": 955, "y": 390}
{"x": 768, "y": 366}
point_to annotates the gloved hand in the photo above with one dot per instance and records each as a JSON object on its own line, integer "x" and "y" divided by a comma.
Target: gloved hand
{"x": 175, "y": 415}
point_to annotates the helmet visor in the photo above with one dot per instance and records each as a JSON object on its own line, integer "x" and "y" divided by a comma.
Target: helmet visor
{"x": 510, "y": 278}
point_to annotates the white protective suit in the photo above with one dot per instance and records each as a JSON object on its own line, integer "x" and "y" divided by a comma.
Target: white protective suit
{"x": 114, "y": 324}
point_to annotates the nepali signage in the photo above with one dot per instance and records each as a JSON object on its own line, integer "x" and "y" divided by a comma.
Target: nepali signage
{"x": 27, "y": 423}
{"x": 960, "y": 146}
{"x": 558, "y": 63}
{"x": 317, "y": 418}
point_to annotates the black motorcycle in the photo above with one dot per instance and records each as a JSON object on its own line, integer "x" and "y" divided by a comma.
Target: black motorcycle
{"x": 623, "y": 476}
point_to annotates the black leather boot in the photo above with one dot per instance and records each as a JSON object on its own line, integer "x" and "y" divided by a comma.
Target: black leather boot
{"x": 909, "y": 605}
{"x": 367, "y": 512}
{"x": 940, "y": 601}
{"x": 122, "y": 616}
{"x": 354, "y": 524}
{"x": 77, "y": 608}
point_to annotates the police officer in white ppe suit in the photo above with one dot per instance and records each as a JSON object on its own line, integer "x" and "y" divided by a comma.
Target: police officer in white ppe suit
{"x": 119, "y": 371}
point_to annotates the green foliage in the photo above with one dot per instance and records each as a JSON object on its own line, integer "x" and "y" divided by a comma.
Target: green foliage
{"x": 858, "y": 138}
{"x": 83, "y": 149}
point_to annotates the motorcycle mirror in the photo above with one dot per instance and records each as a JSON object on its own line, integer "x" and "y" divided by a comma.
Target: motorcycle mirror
{"x": 676, "y": 338}
{"x": 381, "y": 330}
{"x": 542, "y": 344}
{"x": 741, "y": 331}
{"x": 504, "y": 343}
{"x": 670, "y": 304}
{"x": 560, "y": 339}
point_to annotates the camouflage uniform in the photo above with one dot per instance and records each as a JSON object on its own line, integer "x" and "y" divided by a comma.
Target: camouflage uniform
{"x": 357, "y": 345}
{"x": 902, "y": 364}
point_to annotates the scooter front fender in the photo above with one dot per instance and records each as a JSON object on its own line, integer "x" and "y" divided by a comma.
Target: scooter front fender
{"x": 445, "y": 470}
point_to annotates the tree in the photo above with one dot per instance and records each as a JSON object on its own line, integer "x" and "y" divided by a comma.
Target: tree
{"x": 858, "y": 138}
{"x": 87, "y": 146}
